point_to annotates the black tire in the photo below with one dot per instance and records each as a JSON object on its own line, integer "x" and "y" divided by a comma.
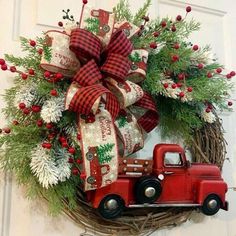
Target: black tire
{"x": 89, "y": 156}
{"x": 107, "y": 213}
{"x": 91, "y": 180}
{"x": 106, "y": 28}
{"x": 211, "y": 205}
{"x": 142, "y": 186}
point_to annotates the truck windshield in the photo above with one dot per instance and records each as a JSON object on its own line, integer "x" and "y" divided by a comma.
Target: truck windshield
{"x": 173, "y": 159}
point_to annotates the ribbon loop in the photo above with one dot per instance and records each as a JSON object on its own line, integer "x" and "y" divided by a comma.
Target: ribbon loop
{"x": 85, "y": 45}
{"x": 89, "y": 74}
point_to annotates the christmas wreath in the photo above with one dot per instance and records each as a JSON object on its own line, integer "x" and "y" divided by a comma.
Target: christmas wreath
{"x": 87, "y": 95}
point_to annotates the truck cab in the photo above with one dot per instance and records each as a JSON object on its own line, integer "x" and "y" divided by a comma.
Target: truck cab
{"x": 168, "y": 180}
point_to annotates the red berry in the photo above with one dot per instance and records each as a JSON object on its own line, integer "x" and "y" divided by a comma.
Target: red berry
{"x": 15, "y": 122}
{"x": 13, "y": 69}
{"x": 209, "y": 74}
{"x": 181, "y": 76}
{"x": 232, "y": 73}
{"x": 36, "y": 108}
{"x": 51, "y": 136}
{"x": 59, "y": 76}
{"x": 173, "y": 28}
{"x": 31, "y": 71}
{"x": 39, "y": 123}
{"x": 153, "y": 45}
{"x": 85, "y": 1}
{"x": 188, "y": 9}
{"x": 210, "y": 106}
{"x": 24, "y": 76}
{"x": 4, "y": 67}
{"x": 75, "y": 171}
{"x": 62, "y": 140}
{"x": 54, "y": 92}
{"x": 32, "y": 43}
{"x": 179, "y": 18}
{"x": 64, "y": 144}
{"x": 195, "y": 47}
{"x": 79, "y": 161}
{"x": 218, "y": 70}
{"x": 47, "y": 145}
{"x": 230, "y": 104}
{"x": 79, "y": 137}
{"x": 176, "y": 46}
{"x": 26, "y": 111}
{"x": 83, "y": 175}
{"x": 22, "y": 106}
{"x": 47, "y": 74}
{"x": 163, "y": 24}
{"x": 156, "y": 34}
{"x": 228, "y": 76}
{"x": 175, "y": 58}
{"x": 7, "y": 130}
{"x": 166, "y": 85}
{"x": 174, "y": 86}
{"x": 71, "y": 160}
{"x": 200, "y": 66}
{"x": 40, "y": 51}
{"x": 146, "y": 18}
{"x": 60, "y": 24}
{"x": 181, "y": 94}
{"x": 190, "y": 89}
{"x": 208, "y": 110}
{"x": 2, "y": 62}
{"x": 71, "y": 150}
{"x": 179, "y": 85}
{"x": 49, "y": 125}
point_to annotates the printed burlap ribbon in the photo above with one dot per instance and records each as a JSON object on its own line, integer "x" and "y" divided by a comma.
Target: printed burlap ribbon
{"x": 112, "y": 112}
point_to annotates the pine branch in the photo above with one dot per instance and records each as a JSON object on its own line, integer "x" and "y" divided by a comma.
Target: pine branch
{"x": 122, "y": 11}
{"x": 141, "y": 12}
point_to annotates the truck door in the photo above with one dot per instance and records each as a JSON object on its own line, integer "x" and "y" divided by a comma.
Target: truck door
{"x": 175, "y": 184}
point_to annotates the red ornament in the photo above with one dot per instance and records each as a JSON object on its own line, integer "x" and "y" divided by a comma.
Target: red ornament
{"x": 209, "y": 75}
{"x": 47, "y": 145}
{"x": 178, "y": 18}
{"x": 22, "y": 106}
{"x": 181, "y": 76}
{"x": 26, "y": 111}
{"x": 181, "y": 94}
{"x": 195, "y": 47}
{"x": 153, "y": 45}
{"x": 31, "y": 72}
{"x": 24, "y": 76}
{"x": 188, "y": 9}
{"x": 173, "y": 28}
{"x": 75, "y": 171}
{"x": 7, "y": 130}
{"x": 218, "y": 70}
{"x": 47, "y": 74}
{"x": 71, "y": 160}
{"x": 156, "y": 34}
{"x": 15, "y": 122}
{"x": 40, "y": 51}
{"x": 190, "y": 89}
{"x": 163, "y": 24}
{"x": 175, "y": 58}
{"x": 176, "y": 46}
{"x": 230, "y": 103}
{"x": 53, "y": 92}
{"x": 2, "y": 62}
{"x": 32, "y": 43}
{"x": 60, "y": 24}
{"x": 200, "y": 66}
{"x": 4, "y": 67}
{"x": 39, "y": 123}
{"x": 173, "y": 86}
{"x": 49, "y": 125}
{"x": 208, "y": 110}
{"x": 232, "y": 73}
{"x": 165, "y": 85}
{"x": 13, "y": 69}
{"x": 228, "y": 76}
{"x": 36, "y": 108}
{"x": 71, "y": 150}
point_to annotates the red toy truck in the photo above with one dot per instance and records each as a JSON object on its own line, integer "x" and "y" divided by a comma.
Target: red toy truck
{"x": 169, "y": 180}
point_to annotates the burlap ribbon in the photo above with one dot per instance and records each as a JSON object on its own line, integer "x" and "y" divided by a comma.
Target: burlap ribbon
{"x": 104, "y": 102}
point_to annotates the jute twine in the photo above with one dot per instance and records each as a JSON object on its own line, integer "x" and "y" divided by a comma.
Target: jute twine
{"x": 209, "y": 146}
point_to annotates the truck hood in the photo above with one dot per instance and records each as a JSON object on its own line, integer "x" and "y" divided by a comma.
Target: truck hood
{"x": 204, "y": 170}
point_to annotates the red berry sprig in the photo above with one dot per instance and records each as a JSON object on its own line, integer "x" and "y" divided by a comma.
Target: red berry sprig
{"x": 32, "y": 43}
{"x": 178, "y": 18}
{"x": 195, "y": 47}
{"x": 153, "y": 45}
{"x": 230, "y": 103}
{"x": 181, "y": 94}
{"x": 175, "y": 58}
{"x": 53, "y": 92}
{"x": 188, "y": 9}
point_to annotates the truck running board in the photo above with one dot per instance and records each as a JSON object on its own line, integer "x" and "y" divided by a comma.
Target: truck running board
{"x": 164, "y": 205}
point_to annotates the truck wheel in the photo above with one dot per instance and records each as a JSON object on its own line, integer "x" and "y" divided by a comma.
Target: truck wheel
{"x": 106, "y": 28}
{"x": 147, "y": 190}
{"x": 211, "y": 205}
{"x": 111, "y": 206}
{"x": 89, "y": 156}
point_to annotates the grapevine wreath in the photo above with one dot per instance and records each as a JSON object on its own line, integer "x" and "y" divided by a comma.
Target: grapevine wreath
{"x": 97, "y": 88}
